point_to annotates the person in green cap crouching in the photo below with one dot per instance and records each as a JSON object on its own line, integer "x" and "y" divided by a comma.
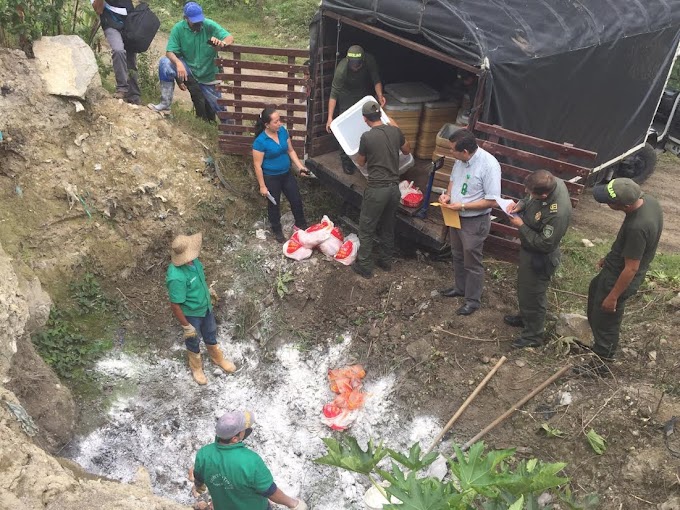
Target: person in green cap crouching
{"x": 237, "y": 477}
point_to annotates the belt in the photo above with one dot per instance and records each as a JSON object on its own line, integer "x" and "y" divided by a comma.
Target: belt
{"x": 475, "y": 216}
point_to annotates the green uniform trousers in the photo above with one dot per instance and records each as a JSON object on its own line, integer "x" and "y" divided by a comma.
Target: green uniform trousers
{"x": 607, "y": 326}
{"x": 376, "y": 224}
{"x": 533, "y": 278}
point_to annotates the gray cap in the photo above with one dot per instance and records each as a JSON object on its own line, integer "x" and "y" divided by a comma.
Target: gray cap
{"x": 621, "y": 191}
{"x": 230, "y": 424}
{"x": 370, "y": 107}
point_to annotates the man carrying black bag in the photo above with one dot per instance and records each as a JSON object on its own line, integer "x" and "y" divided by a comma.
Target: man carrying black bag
{"x": 112, "y": 14}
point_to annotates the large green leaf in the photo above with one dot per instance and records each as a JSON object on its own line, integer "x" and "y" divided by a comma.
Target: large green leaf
{"x": 413, "y": 462}
{"x": 478, "y": 472}
{"x": 420, "y": 493}
{"x": 347, "y": 454}
{"x": 597, "y": 442}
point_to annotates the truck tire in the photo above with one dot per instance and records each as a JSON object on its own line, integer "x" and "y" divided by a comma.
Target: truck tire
{"x": 639, "y": 166}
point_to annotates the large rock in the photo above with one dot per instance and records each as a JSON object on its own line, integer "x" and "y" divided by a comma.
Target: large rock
{"x": 576, "y": 325}
{"x": 66, "y": 65}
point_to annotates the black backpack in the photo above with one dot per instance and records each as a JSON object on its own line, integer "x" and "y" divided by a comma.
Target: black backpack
{"x": 141, "y": 26}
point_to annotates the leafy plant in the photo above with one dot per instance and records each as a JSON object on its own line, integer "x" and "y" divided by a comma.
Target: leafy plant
{"x": 492, "y": 481}
{"x": 597, "y": 442}
{"x": 64, "y": 348}
{"x": 282, "y": 281}
{"x": 89, "y": 295}
{"x": 551, "y": 431}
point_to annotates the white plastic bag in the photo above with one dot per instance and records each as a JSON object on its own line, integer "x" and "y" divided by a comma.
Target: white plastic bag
{"x": 316, "y": 234}
{"x": 331, "y": 245}
{"x": 347, "y": 253}
{"x": 411, "y": 196}
{"x": 294, "y": 250}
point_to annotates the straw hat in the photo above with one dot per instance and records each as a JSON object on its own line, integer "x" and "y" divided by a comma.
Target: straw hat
{"x": 186, "y": 248}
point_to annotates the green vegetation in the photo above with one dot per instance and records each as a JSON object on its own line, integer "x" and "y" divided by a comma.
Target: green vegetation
{"x": 495, "y": 480}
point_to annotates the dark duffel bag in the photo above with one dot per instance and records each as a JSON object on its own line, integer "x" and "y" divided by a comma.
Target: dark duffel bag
{"x": 141, "y": 26}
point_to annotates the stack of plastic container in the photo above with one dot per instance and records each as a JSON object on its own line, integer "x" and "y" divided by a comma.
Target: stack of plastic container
{"x": 405, "y": 103}
{"x": 434, "y": 115}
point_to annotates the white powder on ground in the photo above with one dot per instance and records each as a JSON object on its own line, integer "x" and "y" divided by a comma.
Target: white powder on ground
{"x": 170, "y": 418}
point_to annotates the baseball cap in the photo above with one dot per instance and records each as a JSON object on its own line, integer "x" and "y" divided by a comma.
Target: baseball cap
{"x": 621, "y": 191}
{"x": 355, "y": 54}
{"x": 230, "y": 424}
{"x": 370, "y": 107}
{"x": 193, "y": 12}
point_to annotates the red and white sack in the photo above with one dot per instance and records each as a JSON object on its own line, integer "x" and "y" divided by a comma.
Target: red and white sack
{"x": 316, "y": 234}
{"x": 294, "y": 250}
{"x": 331, "y": 245}
{"x": 347, "y": 253}
{"x": 411, "y": 196}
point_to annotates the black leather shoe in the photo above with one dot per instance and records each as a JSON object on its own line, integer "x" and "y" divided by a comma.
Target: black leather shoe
{"x": 364, "y": 273}
{"x": 348, "y": 167}
{"x": 280, "y": 238}
{"x": 514, "y": 320}
{"x": 452, "y": 292}
{"x": 385, "y": 266}
{"x": 521, "y": 343}
{"x": 466, "y": 310}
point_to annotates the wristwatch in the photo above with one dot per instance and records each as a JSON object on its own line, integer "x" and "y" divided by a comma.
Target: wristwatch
{"x": 462, "y": 207}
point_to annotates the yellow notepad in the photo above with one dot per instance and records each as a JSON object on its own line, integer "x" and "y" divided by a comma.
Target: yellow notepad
{"x": 451, "y": 217}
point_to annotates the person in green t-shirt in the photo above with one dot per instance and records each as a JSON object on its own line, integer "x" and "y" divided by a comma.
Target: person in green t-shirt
{"x": 237, "y": 477}
{"x": 190, "y": 302}
{"x": 379, "y": 150}
{"x": 624, "y": 268}
{"x": 355, "y": 77}
{"x": 190, "y": 60}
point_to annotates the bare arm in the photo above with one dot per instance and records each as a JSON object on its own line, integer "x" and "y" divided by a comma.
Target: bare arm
{"x": 331, "y": 109}
{"x": 406, "y": 148}
{"x": 294, "y": 157}
{"x": 179, "y": 314}
{"x": 181, "y": 70}
{"x": 258, "y": 158}
{"x": 630, "y": 269}
{"x": 379, "y": 94}
{"x": 360, "y": 159}
{"x": 280, "y": 498}
{"x": 98, "y": 6}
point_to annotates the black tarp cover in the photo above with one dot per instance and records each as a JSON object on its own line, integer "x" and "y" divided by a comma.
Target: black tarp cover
{"x": 587, "y": 72}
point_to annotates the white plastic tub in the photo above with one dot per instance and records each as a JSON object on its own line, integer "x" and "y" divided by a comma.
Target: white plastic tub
{"x": 406, "y": 161}
{"x": 350, "y": 125}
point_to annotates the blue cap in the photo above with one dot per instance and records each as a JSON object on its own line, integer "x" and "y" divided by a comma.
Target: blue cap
{"x": 193, "y": 12}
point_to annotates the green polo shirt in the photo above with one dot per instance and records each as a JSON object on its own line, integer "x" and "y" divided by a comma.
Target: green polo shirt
{"x": 236, "y": 476}
{"x": 193, "y": 48}
{"x": 187, "y": 288}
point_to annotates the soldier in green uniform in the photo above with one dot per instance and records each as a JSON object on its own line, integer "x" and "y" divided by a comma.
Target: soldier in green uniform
{"x": 379, "y": 151}
{"x": 355, "y": 77}
{"x": 542, "y": 219}
{"x": 624, "y": 268}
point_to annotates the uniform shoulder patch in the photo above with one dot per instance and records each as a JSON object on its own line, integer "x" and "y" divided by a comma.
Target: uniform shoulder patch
{"x": 553, "y": 207}
{"x": 548, "y": 231}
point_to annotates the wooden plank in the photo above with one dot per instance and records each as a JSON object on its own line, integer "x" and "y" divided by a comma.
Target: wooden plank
{"x": 563, "y": 149}
{"x": 516, "y": 171}
{"x": 260, "y": 50}
{"x": 322, "y": 145}
{"x": 508, "y": 230}
{"x": 249, "y": 91}
{"x": 261, "y": 66}
{"x": 250, "y": 129}
{"x": 501, "y": 248}
{"x": 259, "y": 104}
{"x": 247, "y": 142}
{"x": 255, "y": 116}
{"x": 261, "y": 78}
{"x": 535, "y": 159}
{"x": 402, "y": 41}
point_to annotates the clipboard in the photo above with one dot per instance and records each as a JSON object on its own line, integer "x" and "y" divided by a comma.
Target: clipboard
{"x": 451, "y": 217}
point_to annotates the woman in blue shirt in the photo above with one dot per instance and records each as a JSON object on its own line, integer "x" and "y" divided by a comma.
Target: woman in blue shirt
{"x": 272, "y": 155}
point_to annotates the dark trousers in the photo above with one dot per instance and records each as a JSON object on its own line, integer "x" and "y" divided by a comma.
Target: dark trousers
{"x": 533, "y": 278}
{"x": 201, "y": 105}
{"x": 606, "y": 326}
{"x": 467, "y": 244}
{"x": 376, "y": 225}
{"x": 206, "y": 328}
{"x": 286, "y": 183}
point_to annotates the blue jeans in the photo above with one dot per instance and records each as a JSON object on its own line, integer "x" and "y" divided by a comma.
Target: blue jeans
{"x": 167, "y": 71}
{"x": 206, "y": 328}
